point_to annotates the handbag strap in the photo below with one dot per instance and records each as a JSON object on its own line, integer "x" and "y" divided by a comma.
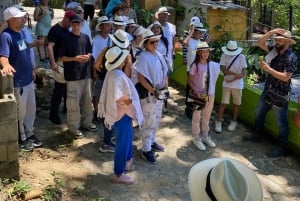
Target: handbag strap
{"x": 232, "y": 62}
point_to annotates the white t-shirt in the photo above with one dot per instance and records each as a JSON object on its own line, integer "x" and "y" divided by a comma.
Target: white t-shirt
{"x": 99, "y": 43}
{"x": 191, "y": 54}
{"x": 236, "y": 67}
{"x": 169, "y": 33}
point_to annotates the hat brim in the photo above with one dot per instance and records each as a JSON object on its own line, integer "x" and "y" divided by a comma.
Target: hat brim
{"x": 20, "y": 14}
{"x": 292, "y": 42}
{"x": 97, "y": 27}
{"x": 110, "y": 67}
{"x": 157, "y": 13}
{"x": 198, "y": 174}
{"x": 210, "y": 49}
{"x": 119, "y": 44}
{"x": 119, "y": 23}
{"x": 232, "y": 53}
{"x": 141, "y": 44}
{"x": 202, "y": 30}
{"x": 59, "y": 76}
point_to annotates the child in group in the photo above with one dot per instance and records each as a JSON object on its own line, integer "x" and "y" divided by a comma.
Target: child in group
{"x": 119, "y": 104}
{"x": 202, "y": 79}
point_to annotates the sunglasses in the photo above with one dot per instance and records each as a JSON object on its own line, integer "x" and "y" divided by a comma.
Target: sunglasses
{"x": 154, "y": 41}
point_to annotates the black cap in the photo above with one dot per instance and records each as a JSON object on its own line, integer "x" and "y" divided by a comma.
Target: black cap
{"x": 76, "y": 18}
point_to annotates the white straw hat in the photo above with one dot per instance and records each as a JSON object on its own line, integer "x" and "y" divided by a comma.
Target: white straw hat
{"x": 102, "y": 20}
{"x": 114, "y": 57}
{"x": 138, "y": 31}
{"x": 148, "y": 35}
{"x": 203, "y": 46}
{"x": 224, "y": 179}
{"x": 161, "y": 10}
{"x": 118, "y": 20}
{"x": 199, "y": 26}
{"x": 232, "y": 49}
{"x": 120, "y": 38}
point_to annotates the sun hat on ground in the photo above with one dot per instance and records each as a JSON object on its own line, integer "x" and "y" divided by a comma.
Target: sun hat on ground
{"x": 199, "y": 26}
{"x": 118, "y": 20}
{"x": 286, "y": 35}
{"x": 194, "y": 20}
{"x": 161, "y": 10}
{"x": 59, "y": 76}
{"x": 203, "y": 46}
{"x": 120, "y": 38}
{"x": 12, "y": 12}
{"x": 224, "y": 179}
{"x": 148, "y": 35}
{"x": 232, "y": 49}
{"x": 114, "y": 57}
{"x": 102, "y": 20}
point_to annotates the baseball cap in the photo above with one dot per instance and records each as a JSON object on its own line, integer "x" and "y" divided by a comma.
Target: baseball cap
{"x": 76, "y": 18}
{"x": 12, "y": 12}
{"x": 69, "y": 14}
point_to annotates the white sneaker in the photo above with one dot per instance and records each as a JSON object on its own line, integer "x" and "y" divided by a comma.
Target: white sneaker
{"x": 218, "y": 126}
{"x": 208, "y": 142}
{"x": 199, "y": 144}
{"x": 232, "y": 125}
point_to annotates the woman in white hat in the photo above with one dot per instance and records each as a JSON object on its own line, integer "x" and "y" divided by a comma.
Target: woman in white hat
{"x": 202, "y": 80}
{"x": 119, "y": 104}
{"x": 152, "y": 76}
{"x": 224, "y": 179}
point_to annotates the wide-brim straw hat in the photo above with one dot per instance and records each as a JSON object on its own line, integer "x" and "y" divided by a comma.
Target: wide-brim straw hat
{"x": 102, "y": 20}
{"x": 148, "y": 35}
{"x": 59, "y": 76}
{"x": 140, "y": 30}
{"x": 199, "y": 26}
{"x": 114, "y": 57}
{"x": 203, "y": 46}
{"x": 120, "y": 38}
{"x": 232, "y": 49}
{"x": 286, "y": 35}
{"x": 225, "y": 179}
{"x": 161, "y": 10}
{"x": 118, "y": 20}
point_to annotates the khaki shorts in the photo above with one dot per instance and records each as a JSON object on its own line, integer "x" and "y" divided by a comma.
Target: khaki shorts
{"x": 236, "y": 96}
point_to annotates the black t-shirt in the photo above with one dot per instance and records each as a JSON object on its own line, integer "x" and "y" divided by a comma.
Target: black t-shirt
{"x": 57, "y": 35}
{"x": 76, "y": 45}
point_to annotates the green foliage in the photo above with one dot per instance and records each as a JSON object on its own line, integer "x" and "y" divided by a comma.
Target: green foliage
{"x": 144, "y": 16}
{"x": 99, "y": 199}
{"x": 180, "y": 10}
{"x": 53, "y": 192}
{"x": 16, "y": 188}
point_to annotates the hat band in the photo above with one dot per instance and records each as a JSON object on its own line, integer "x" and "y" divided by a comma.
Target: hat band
{"x": 116, "y": 59}
{"x": 103, "y": 21}
{"x": 231, "y": 49}
{"x": 119, "y": 21}
{"x": 208, "y": 187}
{"x": 118, "y": 39}
{"x": 147, "y": 37}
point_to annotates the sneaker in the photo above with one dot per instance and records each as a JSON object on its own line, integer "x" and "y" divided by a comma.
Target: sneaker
{"x": 148, "y": 156}
{"x": 104, "y": 148}
{"x": 35, "y": 141}
{"x": 91, "y": 127}
{"x": 26, "y": 145}
{"x": 232, "y": 126}
{"x": 55, "y": 119}
{"x": 77, "y": 134}
{"x": 198, "y": 143}
{"x": 218, "y": 126}
{"x": 157, "y": 147}
{"x": 208, "y": 142}
{"x": 97, "y": 120}
{"x": 122, "y": 179}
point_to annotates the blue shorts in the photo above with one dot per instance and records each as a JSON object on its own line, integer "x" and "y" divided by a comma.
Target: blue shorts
{"x": 98, "y": 88}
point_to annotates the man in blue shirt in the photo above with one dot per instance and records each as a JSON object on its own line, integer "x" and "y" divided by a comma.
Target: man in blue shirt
{"x": 15, "y": 59}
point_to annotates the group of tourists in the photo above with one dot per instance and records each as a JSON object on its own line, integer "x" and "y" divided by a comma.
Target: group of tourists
{"x": 120, "y": 76}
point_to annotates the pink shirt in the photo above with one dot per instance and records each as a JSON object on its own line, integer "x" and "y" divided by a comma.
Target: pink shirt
{"x": 199, "y": 74}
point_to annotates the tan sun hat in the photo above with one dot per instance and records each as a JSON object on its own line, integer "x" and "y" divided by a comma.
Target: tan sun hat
{"x": 161, "y": 10}
{"x": 224, "y": 179}
{"x": 59, "y": 76}
{"x": 286, "y": 35}
{"x": 232, "y": 49}
{"x": 114, "y": 57}
{"x": 203, "y": 46}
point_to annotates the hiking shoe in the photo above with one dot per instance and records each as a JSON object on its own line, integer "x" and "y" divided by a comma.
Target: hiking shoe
{"x": 104, "y": 148}
{"x": 218, "y": 126}
{"x": 157, "y": 147}
{"x": 26, "y": 145}
{"x": 232, "y": 125}
{"x": 198, "y": 143}
{"x": 208, "y": 142}
{"x": 148, "y": 156}
{"x": 55, "y": 119}
{"x": 35, "y": 141}
{"x": 91, "y": 127}
{"x": 77, "y": 134}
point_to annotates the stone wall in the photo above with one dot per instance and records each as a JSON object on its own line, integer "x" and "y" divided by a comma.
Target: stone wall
{"x": 9, "y": 164}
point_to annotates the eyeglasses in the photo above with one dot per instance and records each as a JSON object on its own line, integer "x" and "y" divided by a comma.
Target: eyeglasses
{"x": 154, "y": 41}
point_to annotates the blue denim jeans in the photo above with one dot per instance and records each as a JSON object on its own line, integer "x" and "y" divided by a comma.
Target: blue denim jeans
{"x": 280, "y": 114}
